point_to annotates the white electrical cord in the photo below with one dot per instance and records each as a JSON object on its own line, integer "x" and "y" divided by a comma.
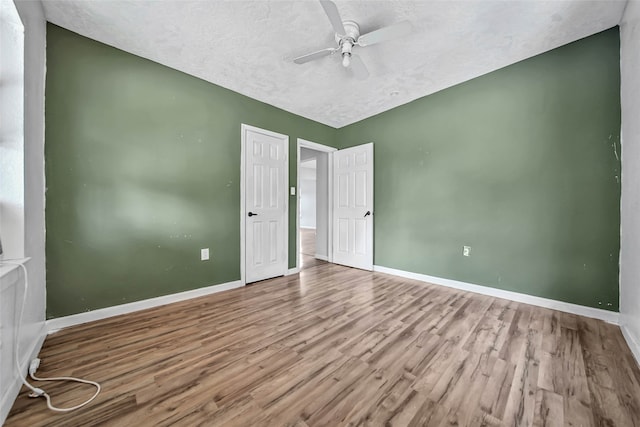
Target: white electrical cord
{"x": 35, "y": 391}
{"x": 73, "y": 408}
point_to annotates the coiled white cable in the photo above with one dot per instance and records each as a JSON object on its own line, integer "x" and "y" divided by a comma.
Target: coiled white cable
{"x": 35, "y": 391}
{"x": 73, "y": 408}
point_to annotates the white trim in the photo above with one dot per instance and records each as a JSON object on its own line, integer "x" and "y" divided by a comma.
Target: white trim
{"x": 298, "y": 263}
{"x": 243, "y": 129}
{"x": 286, "y": 202}
{"x": 315, "y": 146}
{"x": 292, "y": 271}
{"x": 321, "y": 257}
{"x": 596, "y": 313}
{"x": 243, "y": 209}
{"x": 324, "y": 149}
{"x": 330, "y": 207}
{"x": 54, "y": 325}
{"x": 633, "y": 344}
{"x": 11, "y": 392}
{"x": 308, "y": 228}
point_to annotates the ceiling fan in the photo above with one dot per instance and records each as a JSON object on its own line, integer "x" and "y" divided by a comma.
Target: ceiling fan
{"x": 347, "y": 35}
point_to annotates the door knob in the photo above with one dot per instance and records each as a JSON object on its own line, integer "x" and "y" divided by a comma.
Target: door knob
{"x": 252, "y": 214}
{"x": 367, "y": 214}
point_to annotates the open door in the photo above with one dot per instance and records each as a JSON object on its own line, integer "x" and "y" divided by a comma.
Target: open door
{"x": 353, "y": 207}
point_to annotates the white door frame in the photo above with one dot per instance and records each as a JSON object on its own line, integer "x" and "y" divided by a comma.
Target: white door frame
{"x": 325, "y": 149}
{"x": 243, "y": 129}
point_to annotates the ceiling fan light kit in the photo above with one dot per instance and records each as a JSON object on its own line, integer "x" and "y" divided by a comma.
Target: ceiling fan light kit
{"x": 346, "y": 42}
{"x": 347, "y": 36}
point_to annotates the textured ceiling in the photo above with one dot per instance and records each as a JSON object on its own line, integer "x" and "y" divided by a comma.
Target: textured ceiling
{"x": 248, "y": 46}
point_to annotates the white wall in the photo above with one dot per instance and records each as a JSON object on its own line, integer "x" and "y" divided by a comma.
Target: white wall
{"x": 12, "y": 284}
{"x": 308, "y": 194}
{"x": 11, "y": 131}
{"x": 630, "y": 203}
{"x": 35, "y": 40}
{"x": 322, "y": 204}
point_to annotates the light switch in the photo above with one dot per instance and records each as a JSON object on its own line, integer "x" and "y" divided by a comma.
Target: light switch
{"x": 204, "y": 254}
{"x": 293, "y": 191}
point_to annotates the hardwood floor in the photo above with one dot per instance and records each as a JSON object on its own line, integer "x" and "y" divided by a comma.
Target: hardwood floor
{"x": 308, "y": 249}
{"x": 338, "y": 346}
{"x": 308, "y": 241}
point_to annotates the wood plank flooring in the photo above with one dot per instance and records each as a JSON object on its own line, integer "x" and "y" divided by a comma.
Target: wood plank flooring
{"x": 338, "y": 346}
{"x": 308, "y": 249}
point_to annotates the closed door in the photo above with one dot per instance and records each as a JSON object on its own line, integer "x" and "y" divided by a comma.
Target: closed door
{"x": 265, "y": 207}
{"x": 353, "y": 207}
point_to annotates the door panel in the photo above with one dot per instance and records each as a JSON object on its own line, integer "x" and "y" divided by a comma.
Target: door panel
{"x": 353, "y": 198}
{"x": 360, "y": 236}
{"x": 360, "y": 193}
{"x": 265, "y": 204}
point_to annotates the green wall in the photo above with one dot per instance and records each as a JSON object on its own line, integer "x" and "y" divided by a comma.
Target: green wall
{"x": 143, "y": 170}
{"x": 520, "y": 164}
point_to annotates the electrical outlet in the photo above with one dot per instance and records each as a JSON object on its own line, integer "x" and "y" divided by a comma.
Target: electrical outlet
{"x": 204, "y": 254}
{"x": 466, "y": 250}
{"x": 292, "y": 191}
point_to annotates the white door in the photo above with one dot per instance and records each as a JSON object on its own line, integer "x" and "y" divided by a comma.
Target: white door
{"x": 265, "y": 203}
{"x": 353, "y": 207}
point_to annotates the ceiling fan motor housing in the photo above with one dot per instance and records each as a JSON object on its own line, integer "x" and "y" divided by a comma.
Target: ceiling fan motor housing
{"x": 352, "y": 33}
{"x": 347, "y": 36}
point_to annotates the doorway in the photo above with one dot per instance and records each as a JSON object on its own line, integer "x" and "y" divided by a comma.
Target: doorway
{"x": 312, "y": 230}
{"x": 343, "y": 204}
{"x": 314, "y": 204}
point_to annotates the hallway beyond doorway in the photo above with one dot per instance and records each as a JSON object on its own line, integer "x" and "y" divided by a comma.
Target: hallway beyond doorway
{"x": 308, "y": 248}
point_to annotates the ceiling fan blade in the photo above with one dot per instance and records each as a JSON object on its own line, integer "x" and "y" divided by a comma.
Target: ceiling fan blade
{"x": 315, "y": 55}
{"x": 359, "y": 69}
{"x": 393, "y": 31}
{"x": 331, "y": 10}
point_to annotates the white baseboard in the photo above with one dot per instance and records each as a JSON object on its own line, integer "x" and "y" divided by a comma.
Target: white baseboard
{"x": 292, "y": 271}
{"x": 321, "y": 257}
{"x": 54, "y": 325}
{"x": 307, "y": 228}
{"x": 11, "y": 392}
{"x": 632, "y": 342}
{"x": 596, "y": 313}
